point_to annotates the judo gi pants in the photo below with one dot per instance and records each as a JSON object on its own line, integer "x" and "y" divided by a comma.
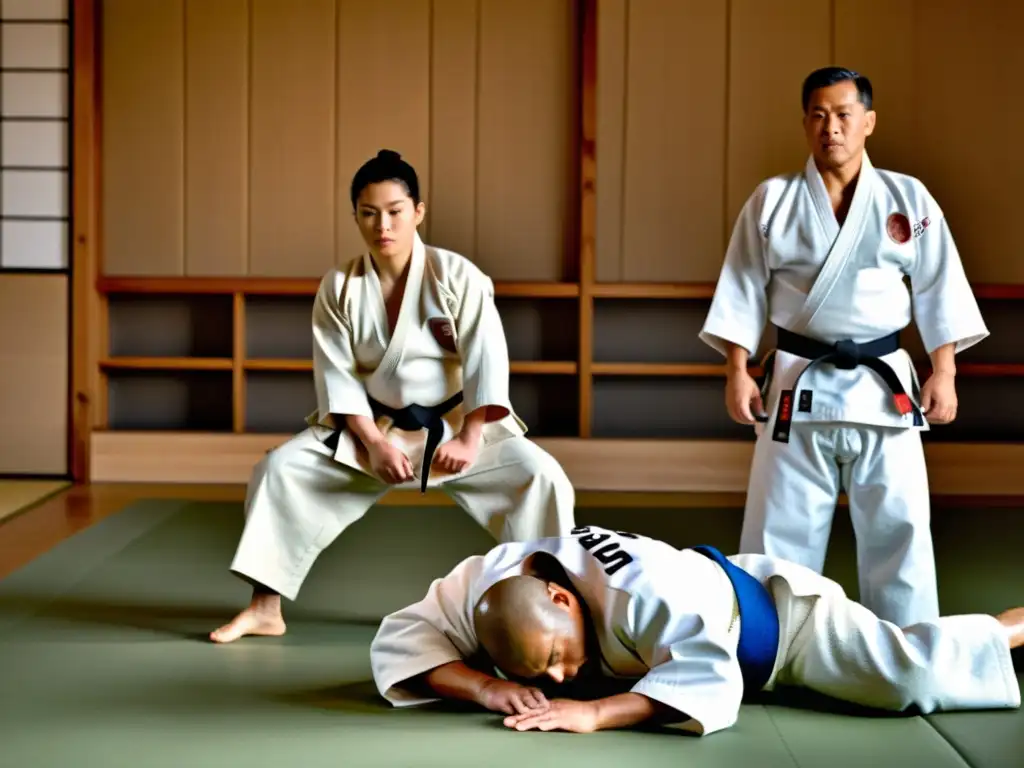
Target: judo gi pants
{"x": 300, "y": 499}
{"x": 791, "y": 500}
{"x": 841, "y": 649}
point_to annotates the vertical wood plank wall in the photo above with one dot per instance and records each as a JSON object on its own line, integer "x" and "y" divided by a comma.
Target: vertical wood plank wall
{"x": 699, "y": 100}
{"x": 233, "y": 129}
{"x": 33, "y": 374}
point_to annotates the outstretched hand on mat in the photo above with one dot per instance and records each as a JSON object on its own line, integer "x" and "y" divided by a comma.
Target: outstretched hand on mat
{"x": 512, "y": 698}
{"x": 561, "y": 715}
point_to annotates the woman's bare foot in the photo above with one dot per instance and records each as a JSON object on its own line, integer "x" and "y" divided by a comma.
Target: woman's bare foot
{"x": 262, "y": 617}
{"x": 1013, "y": 620}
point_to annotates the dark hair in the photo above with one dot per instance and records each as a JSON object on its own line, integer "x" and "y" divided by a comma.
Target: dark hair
{"x": 388, "y": 165}
{"x": 826, "y": 76}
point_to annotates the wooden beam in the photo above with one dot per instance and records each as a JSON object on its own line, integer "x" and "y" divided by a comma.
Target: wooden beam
{"x": 587, "y": 239}
{"x": 86, "y": 315}
{"x": 653, "y": 290}
{"x": 275, "y": 286}
{"x": 521, "y": 367}
{"x": 593, "y": 465}
{"x": 524, "y": 367}
{"x": 167, "y": 363}
{"x": 666, "y": 369}
{"x": 301, "y": 286}
{"x": 238, "y": 344}
{"x": 999, "y": 291}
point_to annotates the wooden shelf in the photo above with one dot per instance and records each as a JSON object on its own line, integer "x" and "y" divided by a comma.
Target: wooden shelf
{"x": 272, "y": 364}
{"x": 998, "y": 291}
{"x": 274, "y": 286}
{"x": 552, "y": 367}
{"x": 167, "y": 363}
{"x": 652, "y": 290}
{"x": 981, "y": 370}
{"x": 663, "y": 369}
{"x": 516, "y": 366}
{"x": 976, "y": 370}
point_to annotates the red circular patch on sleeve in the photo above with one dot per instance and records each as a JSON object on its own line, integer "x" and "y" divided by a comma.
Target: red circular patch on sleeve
{"x": 898, "y": 227}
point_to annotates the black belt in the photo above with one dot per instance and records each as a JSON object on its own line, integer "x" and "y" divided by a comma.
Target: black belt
{"x": 845, "y": 355}
{"x": 411, "y": 418}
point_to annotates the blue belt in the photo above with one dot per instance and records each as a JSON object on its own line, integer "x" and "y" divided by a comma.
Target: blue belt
{"x": 759, "y": 623}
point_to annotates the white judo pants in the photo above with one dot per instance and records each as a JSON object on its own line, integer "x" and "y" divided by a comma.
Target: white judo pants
{"x": 791, "y": 500}
{"x": 841, "y": 649}
{"x": 300, "y": 499}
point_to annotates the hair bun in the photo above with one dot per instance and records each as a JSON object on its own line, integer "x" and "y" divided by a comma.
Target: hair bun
{"x": 389, "y": 155}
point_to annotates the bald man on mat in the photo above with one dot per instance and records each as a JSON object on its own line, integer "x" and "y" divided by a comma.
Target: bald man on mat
{"x": 686, "y": 633}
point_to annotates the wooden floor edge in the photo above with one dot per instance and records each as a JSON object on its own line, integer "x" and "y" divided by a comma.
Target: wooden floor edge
{"x": 966, "y": 470}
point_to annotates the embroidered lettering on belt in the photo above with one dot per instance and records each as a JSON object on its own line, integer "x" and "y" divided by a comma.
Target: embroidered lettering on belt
{"x": 804, "y": 405}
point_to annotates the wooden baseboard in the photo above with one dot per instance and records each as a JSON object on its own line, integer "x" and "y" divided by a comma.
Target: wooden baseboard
{"x": 714, "y": 467}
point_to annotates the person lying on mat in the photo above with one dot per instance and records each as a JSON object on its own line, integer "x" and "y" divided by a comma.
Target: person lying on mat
{"x": 411, "y": 372}
{"x": 686, "y": 632}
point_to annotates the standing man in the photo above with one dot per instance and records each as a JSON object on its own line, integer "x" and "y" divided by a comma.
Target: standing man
{"x": 823, "y": 254}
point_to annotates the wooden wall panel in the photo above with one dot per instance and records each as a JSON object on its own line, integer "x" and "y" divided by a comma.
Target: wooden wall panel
{"x": 526, "y": 118}
{"x": 216, "y": 137}
{"x": 772, "y": 48}
{"x": 34, "y": 383}
{"x": 612, "y": 22}
{"x": 999, "y": 258}
{"x": 675, "y": 141}
{"x": 143, "y": 137}
{"x": 454, "y": 50}
{"x": 381, "y": 104}
{"x": 967, "y": 60}
{"x": 877, "y": 37}
{"x": 292, "y": 137}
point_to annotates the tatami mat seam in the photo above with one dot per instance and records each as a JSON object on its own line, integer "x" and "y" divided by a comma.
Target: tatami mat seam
{"x": 950, "y": 742}
{"x": 44, "y": 562}
{"x": 782, "y": 738}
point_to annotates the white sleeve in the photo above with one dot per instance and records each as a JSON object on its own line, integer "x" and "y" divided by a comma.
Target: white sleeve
{"x": 739, "y": 308}
{"x": 339, "y": 389}
{"x": 945, "y": 309}
{"x": 693, "y": 665}
{"x": 481, "y": 342}
{"x": 434, "y": 631}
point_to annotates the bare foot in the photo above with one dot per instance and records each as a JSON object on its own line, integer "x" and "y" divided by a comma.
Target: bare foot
{"x": 1013, "y": 620}
{"x": 262, "y": 617}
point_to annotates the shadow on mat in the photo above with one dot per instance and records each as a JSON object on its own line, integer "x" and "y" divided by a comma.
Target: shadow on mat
{"x": 183, "y": 621}
{"x": 362, "y": 697}
{"x": 786, "y": 697}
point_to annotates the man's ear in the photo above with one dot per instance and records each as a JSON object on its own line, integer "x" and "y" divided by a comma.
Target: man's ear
{"x": 870, "y": 120}
{"x": 560, "y": 596}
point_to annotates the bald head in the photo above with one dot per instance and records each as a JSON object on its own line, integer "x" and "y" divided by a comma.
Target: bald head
{"x": 517, "y": 621}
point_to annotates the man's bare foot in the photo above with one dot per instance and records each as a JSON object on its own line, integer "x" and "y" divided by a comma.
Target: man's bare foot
{"x": 262, "y": 617}
{"x": 1013, "y": 620}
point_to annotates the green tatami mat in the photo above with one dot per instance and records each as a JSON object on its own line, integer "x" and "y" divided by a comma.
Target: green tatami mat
{"x": 104, "y": 662}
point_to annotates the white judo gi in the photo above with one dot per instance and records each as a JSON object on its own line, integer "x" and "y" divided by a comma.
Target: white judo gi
{"x": 791, "y": 263}
{"x": 665, "y": 618}
{"x": 448, "y": 339}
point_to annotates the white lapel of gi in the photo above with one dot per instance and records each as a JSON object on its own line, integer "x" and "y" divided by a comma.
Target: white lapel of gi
{"x": 844, "y": 239}
{"x": 413, "y": 288}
